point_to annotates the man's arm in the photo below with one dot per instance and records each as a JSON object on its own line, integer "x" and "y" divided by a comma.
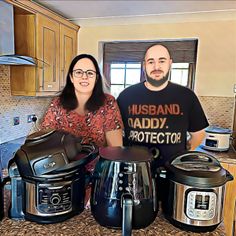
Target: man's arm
{"x": 196, "y": 139}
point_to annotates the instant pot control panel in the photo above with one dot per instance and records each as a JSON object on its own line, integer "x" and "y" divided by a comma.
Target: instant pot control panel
{"x": 54, "y": 198}
{"x": 200, "y": 205}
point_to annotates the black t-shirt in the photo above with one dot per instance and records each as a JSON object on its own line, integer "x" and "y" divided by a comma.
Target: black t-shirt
{"x": 160, "y": 119}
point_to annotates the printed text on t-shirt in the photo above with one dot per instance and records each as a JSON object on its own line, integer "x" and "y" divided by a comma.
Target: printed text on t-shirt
{"x": 150, "y": 118}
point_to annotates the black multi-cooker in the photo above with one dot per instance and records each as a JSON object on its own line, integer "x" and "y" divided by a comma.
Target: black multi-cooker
{"x": 48, "y": 177}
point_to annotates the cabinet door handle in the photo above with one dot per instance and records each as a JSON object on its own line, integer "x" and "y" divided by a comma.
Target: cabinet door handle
{"x": 40, "y": 76}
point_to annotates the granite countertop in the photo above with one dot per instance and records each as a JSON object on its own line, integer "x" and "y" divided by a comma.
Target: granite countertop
{"x": 227, "y": 156}
{"x": 84, "y": 224}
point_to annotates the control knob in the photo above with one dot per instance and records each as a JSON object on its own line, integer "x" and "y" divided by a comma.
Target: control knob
{"x": 55, "y": 199}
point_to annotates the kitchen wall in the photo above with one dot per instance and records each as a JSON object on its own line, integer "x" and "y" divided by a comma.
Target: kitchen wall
{"x": 216, "y": 62}
{"x": 216, "y": 65}
{"x": 13, "y": 106}
{"x": 219, "y": 110}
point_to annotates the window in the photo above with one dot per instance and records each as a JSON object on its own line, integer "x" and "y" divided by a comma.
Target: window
{"x": 123, "y": 75}
{"x": 180, "y": 73}
{"x": 122, "y": 62}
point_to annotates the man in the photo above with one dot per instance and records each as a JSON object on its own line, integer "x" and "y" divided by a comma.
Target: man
{"x": 158, "y": 113}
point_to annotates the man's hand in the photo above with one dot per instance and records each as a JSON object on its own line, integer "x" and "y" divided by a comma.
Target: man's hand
{"x": 196, "y": 139}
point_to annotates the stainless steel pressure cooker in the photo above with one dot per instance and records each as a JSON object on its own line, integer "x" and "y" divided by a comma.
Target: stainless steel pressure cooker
{"x": 47, "y": 180}
{"x": 123, "y": 189}
{"x": 196, "y": 191}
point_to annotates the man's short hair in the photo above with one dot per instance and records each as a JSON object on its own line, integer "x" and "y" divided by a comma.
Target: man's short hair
{"x": 155, "y": 44}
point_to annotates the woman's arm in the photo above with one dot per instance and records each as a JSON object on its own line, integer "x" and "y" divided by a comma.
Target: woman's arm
{"x": 113, "y": 125}
{"x": 114, "y": 137}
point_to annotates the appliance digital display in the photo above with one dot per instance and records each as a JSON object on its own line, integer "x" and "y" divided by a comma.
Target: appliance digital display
{"x": 202, "y": 202}
{"x": 211, "y": 143}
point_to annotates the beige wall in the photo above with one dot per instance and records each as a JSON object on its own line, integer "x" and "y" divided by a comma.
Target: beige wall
{"x": 216, "y": 64}
{"x": 216, "y": 69}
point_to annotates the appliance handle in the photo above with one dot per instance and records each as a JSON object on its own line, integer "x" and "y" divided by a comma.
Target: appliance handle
{"x": 195, "y": 156}
{"x": 127, "y": 206}
{"x": 5, "y": 181}
{"x": 92, "y": 154}
{"x": 155, "y": 152}
{"x": 229, "y": 177}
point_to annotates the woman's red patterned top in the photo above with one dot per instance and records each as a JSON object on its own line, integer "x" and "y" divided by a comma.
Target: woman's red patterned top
{"x": 91, "y": 126}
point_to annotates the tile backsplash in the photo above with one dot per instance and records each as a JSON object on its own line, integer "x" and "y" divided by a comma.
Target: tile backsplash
{"x": 17, "y": 106}
{"x": 219, "y": 110}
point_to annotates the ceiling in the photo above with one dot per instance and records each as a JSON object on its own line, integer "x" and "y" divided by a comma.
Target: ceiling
{"x": 79, "y": 10}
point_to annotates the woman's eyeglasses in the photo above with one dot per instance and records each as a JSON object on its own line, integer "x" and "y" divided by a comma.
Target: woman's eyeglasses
{"x": 79, "y": 73}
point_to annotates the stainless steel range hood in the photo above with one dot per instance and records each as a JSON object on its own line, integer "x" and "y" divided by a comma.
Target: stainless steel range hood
{"x": 7, "y": 43}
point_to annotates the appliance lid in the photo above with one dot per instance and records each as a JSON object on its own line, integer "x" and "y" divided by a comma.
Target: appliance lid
{"x": 125, "y": 153}
{"x": 53, "y": 152}
{"x": 191, "y": 166}
{"x": 217, "y": 130}
{"x": 197, "y": 169}
{"x": 7, "y": 43}
{"x": 39, "y": 135}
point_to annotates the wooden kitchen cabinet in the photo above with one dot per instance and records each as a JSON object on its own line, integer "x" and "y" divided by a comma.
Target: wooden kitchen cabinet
{"x": 47, "y": 48}
{"x": 68, "y": 50}
{"x": 51, "y": 40}
{"x": 230, "y": 199}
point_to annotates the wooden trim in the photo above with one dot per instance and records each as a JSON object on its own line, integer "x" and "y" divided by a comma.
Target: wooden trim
{"x": 234, "y": 125}
{"x": 47, "y": 94}
{"x": 34, "y": 7}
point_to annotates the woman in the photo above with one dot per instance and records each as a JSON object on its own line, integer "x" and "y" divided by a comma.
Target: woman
{"x": 82, "y": 107}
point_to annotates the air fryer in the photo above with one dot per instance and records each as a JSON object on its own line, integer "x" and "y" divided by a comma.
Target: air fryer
{"x": 123, "y": 189}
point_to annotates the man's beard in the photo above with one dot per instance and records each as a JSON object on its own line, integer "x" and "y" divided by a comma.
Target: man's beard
{"x": 157, "y": 83}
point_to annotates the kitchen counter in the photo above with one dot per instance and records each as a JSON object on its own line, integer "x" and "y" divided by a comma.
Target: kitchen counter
{"x": 84, "y": 224}
{"x": 226, "y": 157}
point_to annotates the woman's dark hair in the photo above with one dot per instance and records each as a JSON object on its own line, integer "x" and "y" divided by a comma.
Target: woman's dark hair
{"x": 68, "y": 98}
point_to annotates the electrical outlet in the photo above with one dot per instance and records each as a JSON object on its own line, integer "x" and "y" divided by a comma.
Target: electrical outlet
{"x": 34, "y": 118}
{"x": 30, "y": 118}
{"x": 16, "y": 120}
